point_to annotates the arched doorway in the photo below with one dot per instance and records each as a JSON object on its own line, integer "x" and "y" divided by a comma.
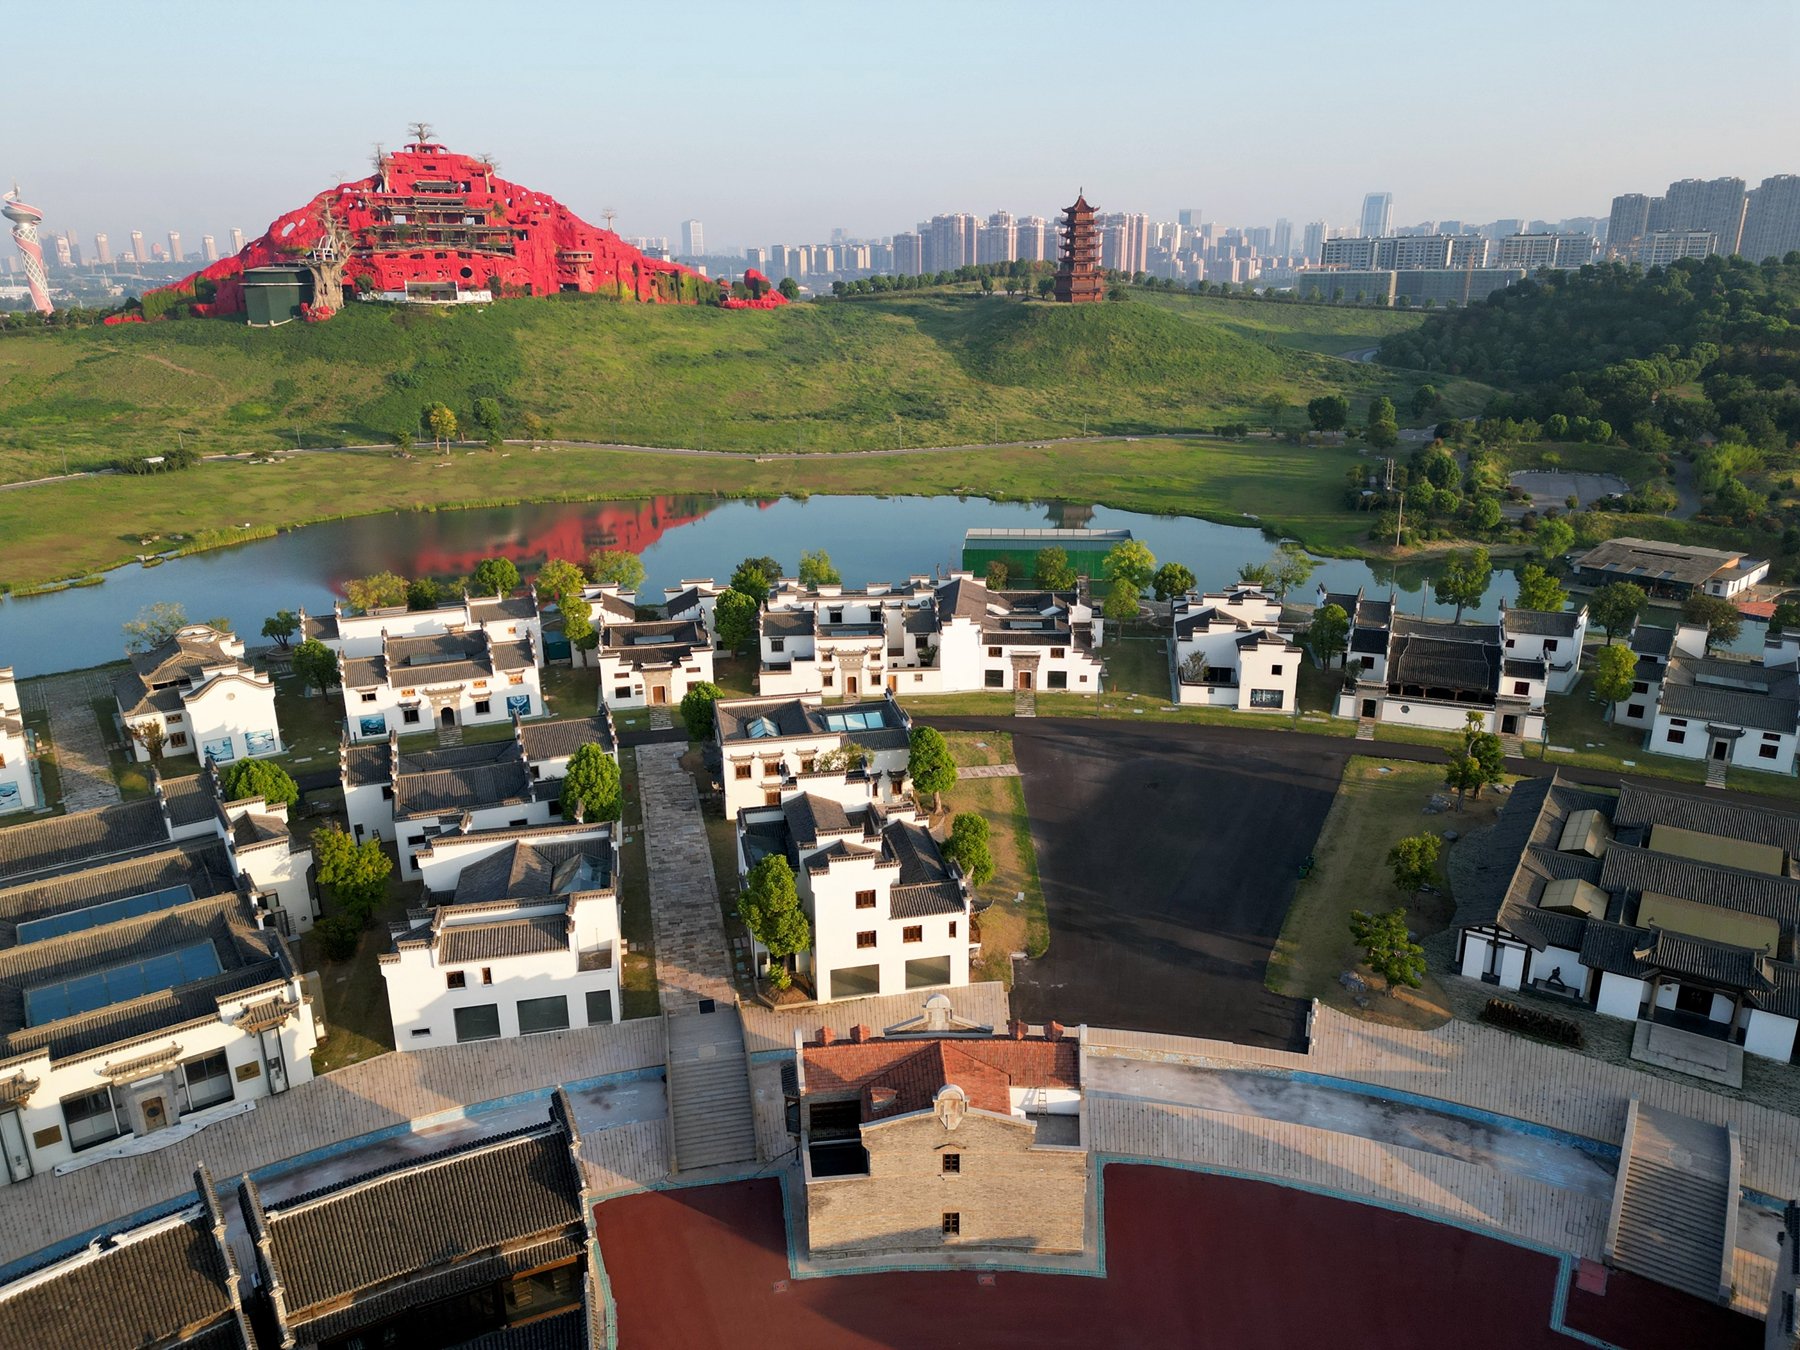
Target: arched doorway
{"x": 448, "y": 716}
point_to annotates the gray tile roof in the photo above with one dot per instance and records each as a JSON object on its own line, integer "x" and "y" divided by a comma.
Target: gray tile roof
{"x": 1643, "y": 806}
{"x": 1539, "y": 623}
{"x": 204, "y": 869}
{"x": 1614, "y": 948}
{"x": 1629, "y": 559}
{"x": 564, "y": 1331}
{"x": 190, "y": 798}
{"x": 461, "y": 778}
{"x": 1627, "y": 868}
{"x": 562, "y": 738}
{"x": 488, "y": 609}
{"x": 1714, "y": 962}
{"x": 80, "y": 837}
{"x": 785, "y": 623}
{"x": 460, "y": 942}
{"x": 1438, "y": 663}
{"x": 656, "y": 641}
{"x": 925, "y": 886}
{"x": 810, "y": 818}
{"x": 1649, "y": 640}
{"x": 524, "y": 870}
{"x": 1691, "y": 689}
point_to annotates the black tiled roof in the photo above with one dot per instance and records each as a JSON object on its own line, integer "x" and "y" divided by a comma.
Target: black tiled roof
{"x": 189, "y": 797}
{"x": 809, "y": 817}
{"x": 1709, "y": 815}
{"x": 461, "y": 942}
{"x": 80, "y": 838}
{"x": 562, "y": 738}
{"x": 925, "y": 886}
{"x": 1773, "y": 704}
{"x": 1614, "y": 948}
{"x": 1369, "y": 641}
{"x": 488, "y": 609}
{"x": 205, "y": 869}
{"x": 1648, "y": 640}
{"x": 1540, "y": 623}
{"x": 524, "y": 870}
{"x": 1715, "y": 962}
{"x": 460, "y": 778}
{"x": 1628, "y": 868}
{"x": 1437, "y": 663}
{"x": 564, "y": 1331}
{"x": 789, "y": 623}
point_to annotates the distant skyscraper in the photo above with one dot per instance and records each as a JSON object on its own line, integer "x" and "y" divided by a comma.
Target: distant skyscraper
{"x": 1312, "y": 240}
{"x": 209, "y": 249}
{"x": 102, "y": 250}
{"x": 693, "y": 239}
{"x": 26, "y": 220}
{"x": 138, "y": 252}
{"x": 908, "y": 257}
{"x": 1283, "y": 243}
{"x": 998, "y": 240}
{"x": 1628, "y": 223}
{"x": 1034, "y": 240}
{"x": 64, "y": 258}
{"x": 1772, "y": 222}
{"x": 1715, "y": 204}
{"x": 175, "y": 253}
{"x": 1377, "y": 214}
{"x": 158, "y": 253}
{"x": 237, "y": 241}
{"x": 1189, "y": 218}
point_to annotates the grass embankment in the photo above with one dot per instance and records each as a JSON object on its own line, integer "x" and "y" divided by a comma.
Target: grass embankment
{"x": 1016, "y": 921}
{"x": 637, "y": 981}
{"x": 940, "y": 369}
{"x": 1378, "y": 803}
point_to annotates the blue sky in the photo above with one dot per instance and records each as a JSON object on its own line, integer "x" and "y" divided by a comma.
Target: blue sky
{"x": 777, "y": 121}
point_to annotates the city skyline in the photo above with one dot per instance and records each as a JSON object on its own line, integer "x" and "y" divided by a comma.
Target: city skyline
{"x": 103, "y": 166}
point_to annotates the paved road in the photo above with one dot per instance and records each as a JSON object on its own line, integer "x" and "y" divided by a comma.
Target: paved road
{"x": 692, "y": 962}
{"x": 81, "y": 761}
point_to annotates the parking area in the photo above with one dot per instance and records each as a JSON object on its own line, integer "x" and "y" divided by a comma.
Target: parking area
{"x": 1168, "y": 856}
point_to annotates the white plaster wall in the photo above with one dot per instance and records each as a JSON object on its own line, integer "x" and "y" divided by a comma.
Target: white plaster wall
{"x": 1574, "y": 974}
{"x": 370, "y": 812}
{"x": 623, "y": 687}
{"x": 276, "y": 869}
{"x": 837, "y": 921}
{"x": 409, "y": 834}
{"x": 1620, "y": 996}
{"x": 1770, "y": 1035}
{"x": 1512, "y": 966}
{"x": 1258, "y": 670}
{"x": 230, "y": 706}
{"x": 423, "y": 1007}
{"x": 1474, "y": 955}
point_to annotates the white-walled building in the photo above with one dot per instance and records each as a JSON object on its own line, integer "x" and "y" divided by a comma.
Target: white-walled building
{"x": 694, "y": 599}
{"x": 888, "y": 912}
{"x": 1229, "y": 652}
{"x": 1555, "y": 639}
{"x": 520, "y": 934}
{"x": 207, "y": 699}
{"x": 1670, "y": 571}
{"x": 436, "y": 680}
{"x": 411, "y": 797}
{"x": 512, "y": 618}
{"x": 20, "y": 787}
{"x": 1726, "y": 710}
{"x": 767, "y": 742}
{"x": 143, "y": 982}
{"x": 1651, "y": 905}
{"x": 652, "y": 664}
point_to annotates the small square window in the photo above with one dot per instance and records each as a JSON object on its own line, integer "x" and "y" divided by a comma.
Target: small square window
{"x": 421, "y": 1031}
{"x": 1641, "y": 687}
{"x": 913, "y": 933}
{"x": 777, "y": 644}
{"x": 1549, "y": 644}
{"x": 741, "y": 770}
{"x": 952, "y": 1225}
{"x": 1634, "y": 710}
{"x": 953, "y": 928}
{"x": 1274, "y": 670}
{"x": 482, "y": 707}
{"x": 368, "y": 698}
{"x": 1678, "y": 738}
{"x": 865, "y": 939}
{"x": 830, "y": 680}
{"x": 622, "y": 692}
{"x": 178, "y": 740}
{"x": 409, "y": 716}
{"x": 1767, "y": 751}
{"x": 952, "y": 1162}
{"x": 1057, "y": 653}
{"x": 457, "y": 979}
{"x": 994, "y": 679}
{"x": 865, "y": 899}
{"x": 1521, "y": 687}
{"x": 993, "y": 651}
{"x": 487, "y": 974}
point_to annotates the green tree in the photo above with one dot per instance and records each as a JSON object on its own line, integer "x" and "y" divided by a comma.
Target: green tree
{"x": 616, "y": 567}
{"x": 1481, "y": 762}
{"x": 1616, "y": 606}
{"x": 496, "y": 576}
{"x": 816, "y": 569}
{"x": 384, "y": 590}
{"x": 1722, "y": 620}
{"x": 1383, "y": 423}
{"x": 1484, "y": 511}
{"x": 1130, "y": 562}
{"x": 930, "y": 764}
{"x": 770, "y": 909}
{"x": 1053, "y": 570}
{"x": 754, "y": 576}
{"x": 1786, "y": 617}
{"x": 1553, "y": 538}
{"x": 591, "y": 782}
{"x": 1414, "y": 861}
{"x": 259, "y": 778}
{"x": 424, "y": 593}
{"x": 1615, "y": 671}
{"x": 281, "y": 625}
{"x": 1424, "y": 399}
{"x": 697, "y": 709}
{"x": 734, "y": 619}
{"x": 1330, "y": 633}
{"x": 1388, "y": 948}
{"x": 969, "y": 849}
{"x": 1540, "y": 591}
{"x": 998, "y": 574}
{"x": 487, "y": 415}
{"x": 1329, "y": 412}
{"x": 150, "y": 734}
{"x": 1122, "y": 602}
{"x": 403, "y": 440}
{"x": 1260, "y": 575}
{"x": 1171, "y": 580}
{"x": 1046, "y": 287}
{"x": 316, "y": 665}
{"x": 1290, "y": 568}
{"x": 440, "y": 421}
{"x": 356, "y": 874}
{"x": 555, "y": 579}
{"x": 154, "y": 625}
{"x": 1464, "y": 579}
{"x": 789, "y": 288}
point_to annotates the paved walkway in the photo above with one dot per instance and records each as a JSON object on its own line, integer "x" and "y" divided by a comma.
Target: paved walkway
{"x": 692, "y": 962}
{"x": 988, "y": 771}
{"x": 87, "y": 779}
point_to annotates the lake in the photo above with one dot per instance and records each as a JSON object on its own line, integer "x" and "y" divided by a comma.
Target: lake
{"x": 868, "y": 538}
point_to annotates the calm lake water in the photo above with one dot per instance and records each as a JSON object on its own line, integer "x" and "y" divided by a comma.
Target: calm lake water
{"x": 869, "y": 538}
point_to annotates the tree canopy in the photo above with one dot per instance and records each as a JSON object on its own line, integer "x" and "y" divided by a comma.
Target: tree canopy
{"x": 930, "y": 764}
{"x": 1329, "y": 412}
{"x": 1171, "y": 580}
{"x": 315, "y": 664}
{"x": 734, "y": 618}
{"x": 1479, "y": 763}
{"x": 816, "y": 569}
{"x": 1388, "y": 948}
{"x": 591, "y": 782}
{"x": 616, "y": 566}
{"x": 969, "y": 848}
{"x": 1053, "y": 570}
{"x": 383, "y": 590}
{"x": 556, "y": 578}
{"x": 1130, "y": 561}
{"x": 281, "y": 625}
{"x": 1464, "y": 579}
{"x": 154, "y": 625}
{"x": 697, "y": 709}
{"x": 495, "y": 576}
{"x": 1616, "y": 606}
{"x": 770, "y": 908}
{"x": 1330, "y": 632}
{"x": 258, "y": 778}
{"x": 1540, "y": 591}
{"x": 1615, "y": 671}
{"x": 1721, "y": 617}
{"x": 1414, "y": 861}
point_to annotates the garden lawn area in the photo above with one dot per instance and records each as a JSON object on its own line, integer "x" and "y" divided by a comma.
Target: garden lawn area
{"x": 735, "y": 676}
{"x": 1016, "y": 921}
{"x": 637, "y": 981}
{"x": 570, "y": 692}
{"x": 1378, "y": 803}
{"x": 357, "y": 1023}
{"x": 312, "y": 726}
{"x": 131, "y": 777}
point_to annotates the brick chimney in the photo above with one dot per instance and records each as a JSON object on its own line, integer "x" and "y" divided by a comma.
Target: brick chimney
{"x": 1053, "y": 1031}
{"x": 1016, "y": 1029}
{"x": 826, "y": 1036}
{"x": 859, "y": 1033}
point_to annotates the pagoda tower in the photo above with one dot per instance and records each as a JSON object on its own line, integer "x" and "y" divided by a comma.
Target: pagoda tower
{"x": 1078, "y": 255}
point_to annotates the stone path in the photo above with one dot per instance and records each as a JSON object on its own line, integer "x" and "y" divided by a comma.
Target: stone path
{"x": 989, "y": 771}
{"x": 692, "y": 962}
{"x": 87, "y": 780}
{"x": 660, "y": 719}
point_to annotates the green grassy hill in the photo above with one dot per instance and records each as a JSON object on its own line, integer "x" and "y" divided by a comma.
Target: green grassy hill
{"x": 928, "y": 369}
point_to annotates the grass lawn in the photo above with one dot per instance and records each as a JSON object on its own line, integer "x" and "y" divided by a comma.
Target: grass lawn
{"x": 1378, "y": 803}
{"x": 735, "y": 675}
{"x": 570, "y": 692}
{"x": 637, "y": 981}
{"x": 358, "y": 1026}
{"x": 1016, "y": 920}
{"x": 131, "y": 777}
{"x": 312, "y": 725}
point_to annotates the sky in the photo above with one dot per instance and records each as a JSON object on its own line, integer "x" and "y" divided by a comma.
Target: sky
{"x": 777, "y": 121}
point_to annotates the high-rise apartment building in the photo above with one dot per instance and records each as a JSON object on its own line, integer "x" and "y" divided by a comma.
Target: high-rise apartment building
{"x": 1282, "y": 242}
{"x": 1124, "y": 241}
{"x": 1378, "y": 215}
{"x": 997, "y": 241}
{"x": 1715, "y": 204}
{"x": 1772, "y": 220}
{"x": 1189, "y": 218}
{"x": 693, "y": 239}
{"x": 237, "y": 241}
{"x": 1312, "y": 240}
{"x": 1659, "y": 248}
{"x": 1409, "y": 252}
{"x": 908, "y": 255}
{"x": 1532, "y": 252}
{"x": 1034, "y": 240}
{"x": 1628, "y": 223}
{"x": 139, "y": 253}
{"x": 949, "y": 241}
{"x": 59, "y": 245}
{"x": 102, "y": 250}
{"x": 175, "y": 253}
{"x": 757, "y": 258}
{"x": 209, "y": 249}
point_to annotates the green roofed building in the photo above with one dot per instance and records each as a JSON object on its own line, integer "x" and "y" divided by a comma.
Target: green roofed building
{"x": 1018, "y": 549}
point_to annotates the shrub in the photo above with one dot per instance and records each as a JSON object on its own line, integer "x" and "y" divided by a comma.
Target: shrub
{"x": 1531, "y": 1022}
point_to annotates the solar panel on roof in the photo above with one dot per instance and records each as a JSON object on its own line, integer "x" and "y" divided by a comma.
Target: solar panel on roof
{"x": 120, "y": 983}
{"x": 111, "y": 911}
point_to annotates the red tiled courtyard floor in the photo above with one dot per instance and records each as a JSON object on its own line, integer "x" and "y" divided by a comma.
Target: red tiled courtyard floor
{"x": 1193, "y": 1260}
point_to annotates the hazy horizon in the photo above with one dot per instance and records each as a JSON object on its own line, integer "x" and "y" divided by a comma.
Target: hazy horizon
{"x": 782, "y": 122}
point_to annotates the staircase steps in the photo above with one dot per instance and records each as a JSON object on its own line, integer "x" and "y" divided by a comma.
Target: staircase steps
{"x": 1024, "y": 703}
{"x": 709, "y": 1090}
{"x": 1715, "y": 773}
{"x": 1675, "y": 1206}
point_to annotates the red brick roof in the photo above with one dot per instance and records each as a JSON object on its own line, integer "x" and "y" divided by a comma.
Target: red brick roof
{"x": 915, "y": 1069}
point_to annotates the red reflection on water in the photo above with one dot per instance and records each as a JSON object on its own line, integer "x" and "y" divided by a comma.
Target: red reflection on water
{"x": 632, "y": 526}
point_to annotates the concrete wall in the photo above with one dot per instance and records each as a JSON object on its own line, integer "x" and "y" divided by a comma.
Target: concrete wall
{"x": 1621, "y": 996}
{"x": 1770, "y": 1035}
{"x": 1746, "y": 752}
{"x": 1009, "y": 1196}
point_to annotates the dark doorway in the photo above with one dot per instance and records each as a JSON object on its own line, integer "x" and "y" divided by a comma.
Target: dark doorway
{"x": 448, "y": 717}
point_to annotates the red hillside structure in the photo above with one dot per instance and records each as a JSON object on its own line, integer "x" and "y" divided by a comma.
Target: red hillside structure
{"x": 1078, "y": 261}
{"x": 434, "y": 226}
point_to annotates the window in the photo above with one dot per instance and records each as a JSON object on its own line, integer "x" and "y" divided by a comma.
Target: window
{"x": 830, "y": 680}
{"x": 740, "y": 770}
{"x": 487, "y": 974}
{"x": 865, "y": 899}
{"x": 1275, "y": 670}
{"x": 953, "y": 928}
{"x": 1641, "y": 687}
{"x": 1056, "y": 679}
{"x": 1509, "y": 644}
{"x": 178, "y": 739}
{"x": 208, "y": 1081}
{"x": 806, "y": 764}
{"x": 1057, "y": 653}
{"x": 951, "y": 1162}
{"x": 993, "y": 651}
{"x": 1678, "y": 721}
{"x": 421, "y": 1031}
{"x": 913, "y": 933}
{"x": 1767, "y": 751}
{"x": 1549, "y": 645}
{"x": 1265, "y": 698}
{"x": 410, "y": 716}
{"x": 1634, "y": 710}
{"x": 1677, "y": 737}
{"x": 480, "y": 1023}
{"x": 994, "y": 679}
{"x": 952, "y": 1224}
{"x": 1772, "y": 737}
{"x": 368, "y": 698}
{"x": 1521, "y": 687}
{"x": 482, "y": 706}
{"x": 91, "y": 1119}
{"x": 599, "y": 1007}
{"x": 865, "y": 939}
{"x": 777, "y": 644}
{"x": 543, "y": 1014}
{"x": 622, "y": 691}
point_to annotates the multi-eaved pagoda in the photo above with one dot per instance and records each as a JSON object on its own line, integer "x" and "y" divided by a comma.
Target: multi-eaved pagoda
{"x": 1078, "y": 258}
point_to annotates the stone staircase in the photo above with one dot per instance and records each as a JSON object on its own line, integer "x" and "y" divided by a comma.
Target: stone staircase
{"x": 1674, "y": 1212}
{"x": 709, "y": 1090}
{"x": 1715, "y": 773}
{"x": 660, "y": 719}
{"x": 448, "y": 736}
{"x": 1024, "y": 703}
{"x": 1365, "y": 730}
